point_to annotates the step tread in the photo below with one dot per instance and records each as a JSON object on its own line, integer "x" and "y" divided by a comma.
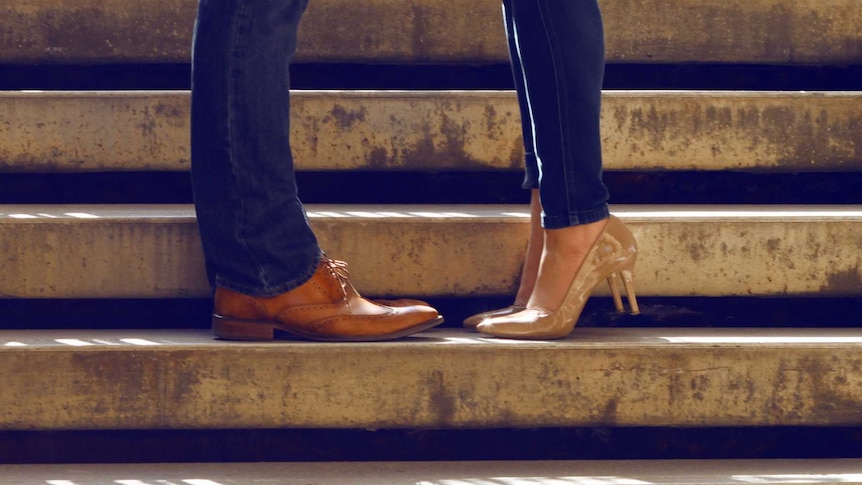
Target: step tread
{"x": 657, "y": 472}
{"x": 21, "y": 213}
{"x": 434, "y": 131}
{"x": 437, "y": 379}
{"x": 690, "y": 339}
{"x": 83, "y": 251}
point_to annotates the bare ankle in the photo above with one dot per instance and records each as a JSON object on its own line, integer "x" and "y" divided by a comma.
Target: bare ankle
{"x": 576, "y": 238}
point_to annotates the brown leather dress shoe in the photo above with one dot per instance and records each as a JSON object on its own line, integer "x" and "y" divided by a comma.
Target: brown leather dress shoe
{"x": 327, "y": 307}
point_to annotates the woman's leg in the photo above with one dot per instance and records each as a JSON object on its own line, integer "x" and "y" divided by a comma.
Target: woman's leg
{"x": 530, "y": 269}
{"x": 561, "y": 47}
{"x": 560, "y": 44}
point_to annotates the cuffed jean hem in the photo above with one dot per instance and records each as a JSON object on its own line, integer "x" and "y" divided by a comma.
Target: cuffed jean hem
{"x": 270, "y": 291}
{"x": 576, "y": 219}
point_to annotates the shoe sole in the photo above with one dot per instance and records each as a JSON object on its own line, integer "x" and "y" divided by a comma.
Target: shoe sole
{"x": 244, "y": 330}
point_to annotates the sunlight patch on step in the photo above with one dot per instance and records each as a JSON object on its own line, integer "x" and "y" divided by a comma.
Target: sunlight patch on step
{"x": 83, "y": 343}
{"x": 739, "y": 214}
{"x": 782, "y": 339}
{"x": 395, "y": 215}
{"x": 599, "y": 480}
{"x": 73, "y": 342}
{"x": 189, "y": 481}
{"x": 14, "y": 344}
{"x": 76, "y": 215}
{"x": 367, "y": 215}
{"x": 139, "y": 341}
{"x": 830, "y": 478}
{"x": 539, "y": 481}
{"x": 442, "y": 214}
{"x": 326, "y": 214}
{"x": 484, "y": 340}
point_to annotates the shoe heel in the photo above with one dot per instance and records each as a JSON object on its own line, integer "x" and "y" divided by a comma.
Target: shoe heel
{"x": 628, "y": 283}
{"x": 239, "y": 330}
{"x": 613, "y": 284}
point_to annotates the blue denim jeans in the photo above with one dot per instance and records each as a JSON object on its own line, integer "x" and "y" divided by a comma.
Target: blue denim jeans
{"x": 253, "y": 227}
{"x": 558, "y": 60}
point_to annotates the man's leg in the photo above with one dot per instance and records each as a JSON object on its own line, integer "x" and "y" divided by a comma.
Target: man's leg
{"x": 253, "y": 227}
{"x": 261, "y": 254}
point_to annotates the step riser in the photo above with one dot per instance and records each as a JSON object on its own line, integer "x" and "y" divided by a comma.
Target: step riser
{"x": 444, "y": 131}
{"x": 758, "y": 31}
{"x": 589, "y": 380}
{"x": 434, "y": 255}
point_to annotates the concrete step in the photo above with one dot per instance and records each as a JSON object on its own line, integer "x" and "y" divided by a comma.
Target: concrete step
{"x": 756, "y": 31}
{"x": 658, "y": 130}
{"x": 153, "y": 251}
{"x": 681, "y": 472}
{"x": 183, "y": 379}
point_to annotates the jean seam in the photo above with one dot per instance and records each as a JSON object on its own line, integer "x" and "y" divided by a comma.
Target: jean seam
{"x": 531, "y": 170}
{"x": 561, "y": 114}
{"x": 238, "y": 37}
{"x": 530, "y": 116}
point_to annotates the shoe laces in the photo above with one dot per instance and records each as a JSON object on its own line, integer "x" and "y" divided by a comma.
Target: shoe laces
{"x": 338, "y": 269}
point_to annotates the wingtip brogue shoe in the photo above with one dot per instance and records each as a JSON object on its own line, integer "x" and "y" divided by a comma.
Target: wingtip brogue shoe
{"x": 327, "y": 308}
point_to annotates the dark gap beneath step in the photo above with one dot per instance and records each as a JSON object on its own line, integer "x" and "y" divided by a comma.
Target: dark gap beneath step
{"x": 441, "y": 77}
{"x": 303, "y": 445}
{"x": 494, "y": 187}
{"x": 700, "y": 312}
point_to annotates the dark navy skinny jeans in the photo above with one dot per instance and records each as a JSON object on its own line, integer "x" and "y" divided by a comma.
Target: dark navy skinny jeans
{"x": 253, "y": 227}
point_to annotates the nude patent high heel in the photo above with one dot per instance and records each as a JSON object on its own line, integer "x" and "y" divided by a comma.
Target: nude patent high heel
{"x": 473, "y": 321}
{"x": 611, "y": 258}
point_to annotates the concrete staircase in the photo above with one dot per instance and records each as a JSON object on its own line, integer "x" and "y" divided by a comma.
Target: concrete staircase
{"x": 132, "y": 379}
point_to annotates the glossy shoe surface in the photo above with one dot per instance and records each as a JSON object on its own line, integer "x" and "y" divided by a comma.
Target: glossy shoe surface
{"x": 473, "y": 321}
{"x": 611, "y": 257}
{"x": 327, "y": 308}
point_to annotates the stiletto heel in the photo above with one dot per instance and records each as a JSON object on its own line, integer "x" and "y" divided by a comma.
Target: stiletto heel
{"x": 615, "y": 251}
{"x": 613, "y": 283}
{"x": 628, "y": 283}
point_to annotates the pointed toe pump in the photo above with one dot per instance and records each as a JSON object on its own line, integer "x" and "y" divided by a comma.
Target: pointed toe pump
{"x": 611, "y": 258}
{"x": 473, "y": 321}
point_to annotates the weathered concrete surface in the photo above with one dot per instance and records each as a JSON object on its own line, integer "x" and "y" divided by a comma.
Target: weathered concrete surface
{"x": 93, "y": 131}
{"x": 87, "y": 379}
{"x": 153, "y": 251}
{"x": 654, "y": 472}
{"x": 337, "y": 130}
{"x": 403, "y": 31}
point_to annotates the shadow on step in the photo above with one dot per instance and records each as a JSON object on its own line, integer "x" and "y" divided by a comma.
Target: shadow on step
{"x": 441, "y": 76}
{"x": 656, "y": 312}
{"x": 494, "y": 187}
{"x": 427, "y": 445}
